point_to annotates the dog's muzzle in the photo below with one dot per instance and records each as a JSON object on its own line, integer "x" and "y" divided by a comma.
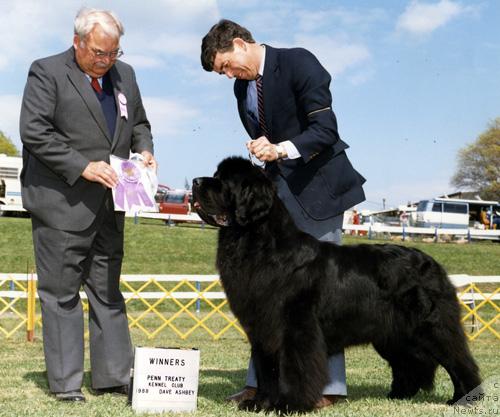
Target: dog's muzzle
{"x": 219, "y": 219}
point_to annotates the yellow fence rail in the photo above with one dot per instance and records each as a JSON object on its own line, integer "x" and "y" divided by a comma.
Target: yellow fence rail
{"x": 189, "y": 304}
{"x": 476, "y": 300}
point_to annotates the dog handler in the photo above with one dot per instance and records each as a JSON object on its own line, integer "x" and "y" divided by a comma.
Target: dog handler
{"x": 285, "y": 105}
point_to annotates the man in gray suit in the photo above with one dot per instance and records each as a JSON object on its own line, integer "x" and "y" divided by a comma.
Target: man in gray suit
{"x": 79, "y": 107}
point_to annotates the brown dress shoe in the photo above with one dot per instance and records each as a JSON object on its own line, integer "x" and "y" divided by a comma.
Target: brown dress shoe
{"x": 247, "y": 393}
{"x": 328, "y": 400}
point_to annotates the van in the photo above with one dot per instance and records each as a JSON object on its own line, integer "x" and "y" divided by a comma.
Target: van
{"x": 443, "y": 213}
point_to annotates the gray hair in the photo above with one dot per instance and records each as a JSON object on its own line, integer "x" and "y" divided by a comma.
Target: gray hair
{"x": 87, "y": 18}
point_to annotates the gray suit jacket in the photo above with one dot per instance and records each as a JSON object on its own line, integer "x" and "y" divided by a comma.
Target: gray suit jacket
{"x": 63, "y": 128}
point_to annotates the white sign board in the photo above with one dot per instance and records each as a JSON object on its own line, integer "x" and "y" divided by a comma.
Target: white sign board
{"x": 165, "y": 379}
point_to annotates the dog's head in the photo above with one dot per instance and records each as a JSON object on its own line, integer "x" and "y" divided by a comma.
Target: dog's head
{"x": 237, "y": 194}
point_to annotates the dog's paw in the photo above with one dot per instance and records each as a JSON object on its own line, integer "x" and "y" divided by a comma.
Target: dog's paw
{"x": 284, "y": 407}
{"x": 250, "y": 405}
{"x": 465, "y": 400}
{"x": 400, "y": 395}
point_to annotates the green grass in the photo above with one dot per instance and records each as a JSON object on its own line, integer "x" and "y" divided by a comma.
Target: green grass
{"x": 24, "y": 390}
{"x": 150, "y": 248}
{"x": 153, "y": 248}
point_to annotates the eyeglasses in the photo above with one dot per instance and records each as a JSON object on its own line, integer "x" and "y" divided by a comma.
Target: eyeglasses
{"x": 111, "y": 55}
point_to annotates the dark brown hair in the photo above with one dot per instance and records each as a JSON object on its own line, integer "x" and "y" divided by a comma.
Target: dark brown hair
{"x": 220, "y": 39}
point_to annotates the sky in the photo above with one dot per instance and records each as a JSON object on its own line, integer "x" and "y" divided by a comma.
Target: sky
{"x": 412, "y": 81}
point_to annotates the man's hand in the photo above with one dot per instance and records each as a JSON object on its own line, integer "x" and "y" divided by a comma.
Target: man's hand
{"x": 101, "y": 172}
{"x": 264, "y": 150}
{"x": 149, "y": 160}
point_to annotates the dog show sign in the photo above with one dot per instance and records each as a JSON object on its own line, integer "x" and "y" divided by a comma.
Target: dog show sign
{"x": 165, "y": 379}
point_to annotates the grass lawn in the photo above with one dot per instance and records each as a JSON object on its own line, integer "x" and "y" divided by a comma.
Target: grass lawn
{"x": 152, "y": 248}
{"x": 24, "y": 391}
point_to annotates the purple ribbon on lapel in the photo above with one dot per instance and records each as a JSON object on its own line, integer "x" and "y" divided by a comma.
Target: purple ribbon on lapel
{"x": 130, "y": 188}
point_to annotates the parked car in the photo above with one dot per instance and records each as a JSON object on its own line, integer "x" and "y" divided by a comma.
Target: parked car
{"x": 160, "y": 193}
{"x": 176, "y": 202}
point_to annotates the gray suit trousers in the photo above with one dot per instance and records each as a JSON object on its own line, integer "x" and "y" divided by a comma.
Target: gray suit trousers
{"x": 329, "y": 230}
{"x": 65, "y": 262}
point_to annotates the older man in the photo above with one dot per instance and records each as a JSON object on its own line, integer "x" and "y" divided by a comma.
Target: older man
{"x": 79, "y": 107}
{"x": 285, "y": 104}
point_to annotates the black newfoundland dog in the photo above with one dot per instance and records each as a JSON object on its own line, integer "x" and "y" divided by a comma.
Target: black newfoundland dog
{"x": 301, "y": 300}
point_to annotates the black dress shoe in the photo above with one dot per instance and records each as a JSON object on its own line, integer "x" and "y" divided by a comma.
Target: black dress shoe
{"x": 75, "y": 396}
{"x": 119, "y": 390}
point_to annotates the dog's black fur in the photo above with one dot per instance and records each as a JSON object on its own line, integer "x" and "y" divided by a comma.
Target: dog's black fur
{"x": 301, "y": 300}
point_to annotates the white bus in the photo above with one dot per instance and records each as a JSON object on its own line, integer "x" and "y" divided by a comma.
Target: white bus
{"x": 10, "y": 183}
{"x": 451, "y": 213}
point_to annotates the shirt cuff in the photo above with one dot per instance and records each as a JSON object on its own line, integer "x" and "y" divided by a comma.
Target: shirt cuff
{"x": 291, "y": 150}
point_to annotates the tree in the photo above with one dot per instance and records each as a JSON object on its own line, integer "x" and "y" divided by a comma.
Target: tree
{"x": 6, "y": 146}
{"x": 479, "y": 164}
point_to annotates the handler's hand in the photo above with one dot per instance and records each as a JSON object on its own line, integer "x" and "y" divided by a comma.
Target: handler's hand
{"x": 149, "y": 160}
{"x": 101, "y": 172}
{"x": 264, "y": 150}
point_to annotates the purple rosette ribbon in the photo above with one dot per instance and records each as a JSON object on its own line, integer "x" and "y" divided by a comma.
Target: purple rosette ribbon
{"x": 130, "y": 189}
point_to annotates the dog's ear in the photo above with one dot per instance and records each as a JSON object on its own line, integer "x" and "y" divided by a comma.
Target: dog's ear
{"x": 254, "y": 200}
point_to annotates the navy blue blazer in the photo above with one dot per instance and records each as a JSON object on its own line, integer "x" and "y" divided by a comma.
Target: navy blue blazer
{"x": 298, "y": 108}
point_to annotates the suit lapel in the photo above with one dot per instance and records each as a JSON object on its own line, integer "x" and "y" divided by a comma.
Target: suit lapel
{"x": 117, "y": 90}
{"x": 82, "y": 85}
{"x": 269, "y": 84}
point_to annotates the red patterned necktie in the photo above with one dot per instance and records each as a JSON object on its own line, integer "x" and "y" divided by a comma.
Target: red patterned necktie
{"x": 95, "y": 85}
{"x": 260, "y": 105}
